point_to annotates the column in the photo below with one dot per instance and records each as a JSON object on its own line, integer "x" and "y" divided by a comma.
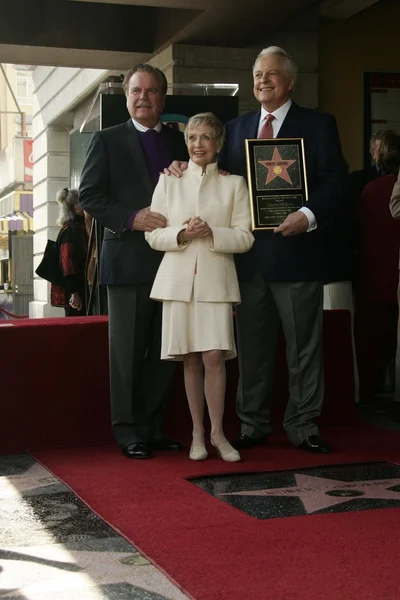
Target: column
{"x": 51, "y": 172}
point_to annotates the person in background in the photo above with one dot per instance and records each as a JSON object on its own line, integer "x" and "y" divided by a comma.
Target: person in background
{"x": 72, "y": 242}
{"x": 341, "y": 296}
{"x": 120, "y": 173}
{"x": 377, "y": 271}
{"x": 208, "y": 218}
{"x": 360, "y": 178}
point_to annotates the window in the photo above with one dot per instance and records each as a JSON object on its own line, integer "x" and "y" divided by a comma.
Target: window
{"x": 24, "y": 89}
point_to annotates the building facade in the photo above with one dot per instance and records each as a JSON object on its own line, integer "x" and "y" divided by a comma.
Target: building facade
{"x": 16, "y": 180}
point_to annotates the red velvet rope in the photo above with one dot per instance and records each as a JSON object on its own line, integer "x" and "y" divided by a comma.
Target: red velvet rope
{"x": 3, "y": 310}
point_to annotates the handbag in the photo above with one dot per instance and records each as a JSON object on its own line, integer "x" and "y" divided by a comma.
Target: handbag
{"x": 49, "y": 267}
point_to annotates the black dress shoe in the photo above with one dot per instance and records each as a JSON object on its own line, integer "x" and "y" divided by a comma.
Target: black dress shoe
{"x": 165, "y": 443}
{"x": 137, "y": 450}
{"x": 245, "y": 441}
{"x": 313, "y": 443}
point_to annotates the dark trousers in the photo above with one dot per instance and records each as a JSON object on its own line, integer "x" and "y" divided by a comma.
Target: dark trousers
{"x": 140, "y": 381}
{"x": 297, "y": 308}
{"x": 72, "y": 312}
{"x": 375, "y": 336}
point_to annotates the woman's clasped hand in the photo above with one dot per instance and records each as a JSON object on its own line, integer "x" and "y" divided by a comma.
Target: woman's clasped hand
{"x": 196, "y": 228}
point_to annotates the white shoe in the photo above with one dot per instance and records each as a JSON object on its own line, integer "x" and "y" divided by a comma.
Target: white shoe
{"x": 198, "y": 452}
{"x": 227, "y": 452}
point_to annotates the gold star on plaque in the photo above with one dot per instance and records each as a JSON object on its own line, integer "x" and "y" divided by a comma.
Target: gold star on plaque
{"x": 277, "y": 167}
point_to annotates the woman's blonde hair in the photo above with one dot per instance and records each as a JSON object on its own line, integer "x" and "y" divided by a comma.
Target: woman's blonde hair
{"x": 68, "y": 200}
{"x": 389, "y": 153}
{"x": 211, "y": 120}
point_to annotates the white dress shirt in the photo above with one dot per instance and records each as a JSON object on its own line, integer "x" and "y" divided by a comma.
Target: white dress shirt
{"x": 140, "y": 127}
{"x": 280, "y": 114}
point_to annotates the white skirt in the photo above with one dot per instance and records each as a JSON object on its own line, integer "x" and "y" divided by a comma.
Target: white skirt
{"x": 196, "y": 327}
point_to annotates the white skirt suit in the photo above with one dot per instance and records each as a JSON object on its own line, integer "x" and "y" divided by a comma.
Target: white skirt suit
{"x": 197, "y": 281}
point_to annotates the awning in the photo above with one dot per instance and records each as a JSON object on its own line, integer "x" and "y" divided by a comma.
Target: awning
{"x": 17, "y": 212}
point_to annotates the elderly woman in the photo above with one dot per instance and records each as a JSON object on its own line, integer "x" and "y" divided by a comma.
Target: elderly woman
{"x": 72, "y": 242}
{"x": 208, "y": 221}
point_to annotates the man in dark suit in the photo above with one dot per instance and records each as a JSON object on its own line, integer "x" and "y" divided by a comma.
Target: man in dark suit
{"x": 118, "y": 179}
{"x": 281, "y": 277}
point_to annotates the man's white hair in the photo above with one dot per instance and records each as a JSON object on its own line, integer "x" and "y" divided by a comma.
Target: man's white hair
{"x": 290, "y": 65}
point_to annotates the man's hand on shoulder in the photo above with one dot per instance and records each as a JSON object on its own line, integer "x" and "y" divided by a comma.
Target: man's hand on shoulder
{"x": 294, "y": 224}
{"x": 176, "y": 168}
{"x": 147, "y": 220}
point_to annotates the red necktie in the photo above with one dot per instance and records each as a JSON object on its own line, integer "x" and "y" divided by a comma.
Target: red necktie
{"x": 266, "y": 130}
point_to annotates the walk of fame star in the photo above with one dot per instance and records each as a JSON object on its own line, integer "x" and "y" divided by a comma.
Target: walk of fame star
{"x": 277, "y": 167}
{"x": 317, "y": 493}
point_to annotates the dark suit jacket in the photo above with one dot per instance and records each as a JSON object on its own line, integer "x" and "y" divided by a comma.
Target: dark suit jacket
{"x": 115, "y": 182}
{"x": 296, "y": 258}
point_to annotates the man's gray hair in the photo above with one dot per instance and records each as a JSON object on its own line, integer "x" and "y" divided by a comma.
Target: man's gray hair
{"x": 290, "y": 65}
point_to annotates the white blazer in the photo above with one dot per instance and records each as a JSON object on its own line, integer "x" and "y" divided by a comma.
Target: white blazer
{"x": 223, "y": 202}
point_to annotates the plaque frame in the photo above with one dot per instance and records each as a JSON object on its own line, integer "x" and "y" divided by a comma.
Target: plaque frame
{"x": 284, "y": 195}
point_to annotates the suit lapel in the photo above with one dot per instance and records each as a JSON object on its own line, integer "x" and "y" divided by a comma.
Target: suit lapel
{"x": 134, "y": 148}
{"x": 250, "y": 128}
{"x": 291, "y": 123}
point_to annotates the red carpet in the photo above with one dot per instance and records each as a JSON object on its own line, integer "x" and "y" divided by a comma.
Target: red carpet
{"x": 214, "y": 551}
{"x": 55, "y": 393}
{"x": 55, "y": 386}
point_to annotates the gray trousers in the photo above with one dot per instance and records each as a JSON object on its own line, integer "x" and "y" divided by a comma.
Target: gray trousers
{"x": 140, "y": 381}
{"x": 265, "y": 307}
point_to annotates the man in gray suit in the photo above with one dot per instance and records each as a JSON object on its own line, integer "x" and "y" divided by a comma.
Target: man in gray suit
{"x": 281, "y": 277}
{"x": 118, "y": 179}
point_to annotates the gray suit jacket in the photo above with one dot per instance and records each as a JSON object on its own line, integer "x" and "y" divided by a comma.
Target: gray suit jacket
{"x": 115, "y": 182}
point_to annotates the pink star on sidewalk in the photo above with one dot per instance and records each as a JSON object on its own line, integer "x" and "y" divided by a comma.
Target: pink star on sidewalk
{"x": 318, "y": 493}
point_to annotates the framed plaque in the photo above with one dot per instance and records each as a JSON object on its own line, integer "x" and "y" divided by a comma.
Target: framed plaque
{"x": 277, "y": 179}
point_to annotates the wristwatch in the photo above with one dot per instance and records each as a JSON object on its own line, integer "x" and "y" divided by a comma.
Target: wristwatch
{"x": 180, "y": 240}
